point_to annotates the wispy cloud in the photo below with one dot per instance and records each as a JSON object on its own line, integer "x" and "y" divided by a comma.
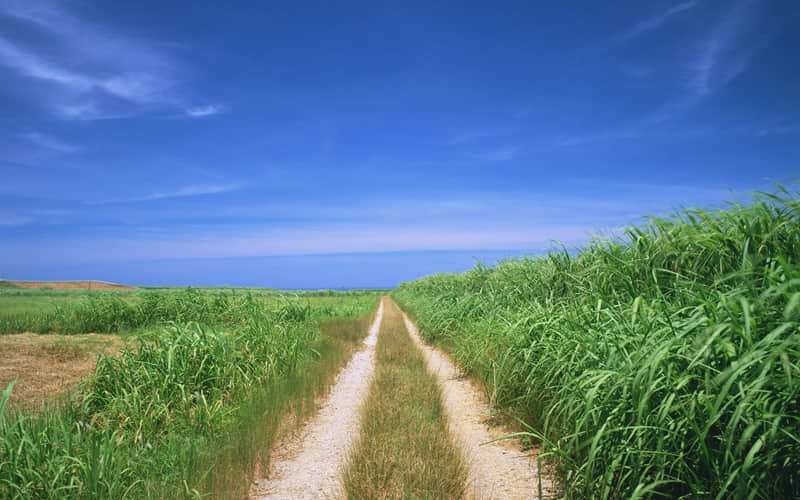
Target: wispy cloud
{"x": 777, "y": 130}
{"x": 657, "y": 21}
{"x": 502, "y": 154}
{"x": 725, "y": 54}
{"x": 636, "y": 71}
{"x": 309, "y": 241}
{"x": 49, "y": 142}
{"x": 458, "y": 220}
{"x": 629, "y": 132}
{"x": 468, "y": 137}
{"x": 14, "y": 220}
{"x": 92, "y": 73}
{"x": 192, "y": 191}
{"x": 201, "y": 111}
{"x": 182, "y": 192}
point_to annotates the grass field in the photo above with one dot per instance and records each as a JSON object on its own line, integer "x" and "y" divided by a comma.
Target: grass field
{"x": 20, "y": 304}
{"x": 662, "y": 363}
{"x": 124, "y": 311}
{"x": 191, "y": 407}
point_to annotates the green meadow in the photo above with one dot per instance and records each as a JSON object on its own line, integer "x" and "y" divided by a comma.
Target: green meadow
{"x": 190, "y": 409}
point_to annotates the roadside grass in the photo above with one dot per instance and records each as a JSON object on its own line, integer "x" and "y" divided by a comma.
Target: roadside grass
{"x": 662, "y": 363}
{"x": 181, "y": 415}
{"x": 125, "y": 311}
{"x": 276, "y": 408}
{"x": 405, "y": 449}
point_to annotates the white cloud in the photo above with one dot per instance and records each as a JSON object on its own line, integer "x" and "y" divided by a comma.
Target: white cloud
{"x": 191, "y": 191}
{"x": 49, "y": 142}
{"x": 14, "y": 220}
{"x": 182, "y": 192}
{"x": 468, "y": 137}
{"x": 156, "y": 243}
{"x": 636, "y": 71}
{"x": 723, "y": 56}
{"x": 93, "y": 73}
{"x": 777, "y": 130}
{"x": 201, "y": 111}
{"x": 504, "y": 154}
{"x": 655, "y": 22}
{"x": 612, "y": 134}
{"x": 28, "y": 64}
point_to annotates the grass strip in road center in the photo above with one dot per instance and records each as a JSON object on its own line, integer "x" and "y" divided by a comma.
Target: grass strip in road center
{"x": 405, "y": 450}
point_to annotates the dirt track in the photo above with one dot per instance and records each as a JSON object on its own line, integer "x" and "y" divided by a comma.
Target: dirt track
{"x": 498, "y": 470}
{"x": 309, "y": 465}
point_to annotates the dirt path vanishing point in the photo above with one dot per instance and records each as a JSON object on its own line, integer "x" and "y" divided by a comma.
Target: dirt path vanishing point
{"x": 309, "y": 464}
{"x": 498, "y": 470}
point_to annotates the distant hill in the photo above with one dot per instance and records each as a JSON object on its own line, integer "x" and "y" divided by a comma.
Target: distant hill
{"x": 69, "y": 285}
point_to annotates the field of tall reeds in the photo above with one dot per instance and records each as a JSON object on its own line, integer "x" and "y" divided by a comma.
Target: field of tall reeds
{"x": 191, "y": 409}
{"x": 664, "y": 362}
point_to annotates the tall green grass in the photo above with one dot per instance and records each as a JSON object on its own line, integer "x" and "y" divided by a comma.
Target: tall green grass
{"x": 661, "y": 363}
{"x": 125, "y": 311}
{"x": 157, "y": 421}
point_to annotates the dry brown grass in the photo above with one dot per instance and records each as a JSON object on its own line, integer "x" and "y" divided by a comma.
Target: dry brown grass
{"x": 47, "y": 366}
{"x": 71, "y": 285}
{"x": 405, "y": 449}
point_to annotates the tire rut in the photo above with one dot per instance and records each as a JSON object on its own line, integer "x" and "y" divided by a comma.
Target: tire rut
{"x": 497, "y": 470}
{"x": 309, "y": 464}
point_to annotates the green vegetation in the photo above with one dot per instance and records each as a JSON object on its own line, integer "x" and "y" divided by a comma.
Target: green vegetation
{"x": 275, "y": 292}
{"x": 662, "y": 363}
{"x": 191, "y": 410}
{"x": 82, "y": 311}
{"x": 405, "y": 450}
{"x": 15, "y": 305}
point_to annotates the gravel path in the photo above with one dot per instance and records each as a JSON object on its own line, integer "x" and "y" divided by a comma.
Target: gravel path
{"x": 498, "y": 470}
{"x": 309, "y": 464}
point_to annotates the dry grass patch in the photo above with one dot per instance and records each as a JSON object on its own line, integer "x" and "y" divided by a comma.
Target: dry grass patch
{"x": 70, "y": 285}
{"x": 46, "y": 366}
{"x": 405, "y": 450}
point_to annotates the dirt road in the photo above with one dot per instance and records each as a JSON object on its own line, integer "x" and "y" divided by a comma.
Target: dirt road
{"x": 497, "y": 470}
{"x": 309, "y": 465}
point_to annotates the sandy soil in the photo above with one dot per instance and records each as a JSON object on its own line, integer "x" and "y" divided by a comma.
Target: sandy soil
{"x": 309, "y": 465}
{"x": 499, "y": 470}
{"x": 71, "y": 285}
{"x": 46, "y": 366}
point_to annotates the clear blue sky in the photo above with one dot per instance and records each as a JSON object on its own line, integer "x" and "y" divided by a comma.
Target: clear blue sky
{"x": 297, "y": 144}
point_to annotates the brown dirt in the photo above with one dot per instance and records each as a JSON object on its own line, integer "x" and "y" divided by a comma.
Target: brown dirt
{"x": 71, "y": 285}
{"x": 46, "y": 366}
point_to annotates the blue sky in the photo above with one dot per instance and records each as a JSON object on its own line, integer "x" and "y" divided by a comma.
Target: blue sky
{"x": 337, "y": 144}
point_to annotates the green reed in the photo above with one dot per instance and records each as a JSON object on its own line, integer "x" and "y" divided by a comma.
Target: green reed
{"x": 661, "y": 363}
